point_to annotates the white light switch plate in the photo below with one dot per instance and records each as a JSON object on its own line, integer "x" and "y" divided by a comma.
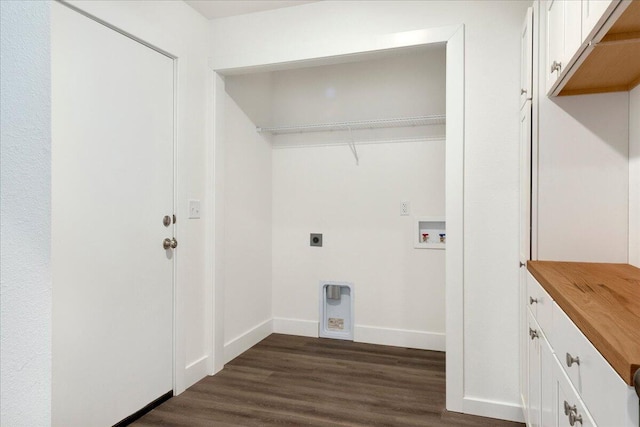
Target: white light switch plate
{"x": 194, "y": 209}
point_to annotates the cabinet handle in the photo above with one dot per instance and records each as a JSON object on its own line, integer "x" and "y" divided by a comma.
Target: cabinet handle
{"x": 568, "y": 409}
{"x": 522, "y": 264}
{"x": 556, "y": 66}
{"x": 533, "y": 333}
{"x": 571, "y": 360}
{"x": 533, "y": 300}
{"x": 523, "y": 91}
{"x": 575, "y": 418}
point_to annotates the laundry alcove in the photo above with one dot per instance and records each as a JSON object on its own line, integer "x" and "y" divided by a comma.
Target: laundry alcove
{"x": 335, "y": 149}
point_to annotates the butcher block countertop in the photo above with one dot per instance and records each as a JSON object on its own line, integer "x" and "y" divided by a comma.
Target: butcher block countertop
{"x": 603, "y": 300}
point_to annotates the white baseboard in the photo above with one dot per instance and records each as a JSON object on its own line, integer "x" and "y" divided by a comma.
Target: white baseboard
{"x": 400, "y": 337}
{"x": 244, "y": 342}
{"x": 195, "y": 371}
{"x": 493, "y": 409}
{"x": 303, "y": 328}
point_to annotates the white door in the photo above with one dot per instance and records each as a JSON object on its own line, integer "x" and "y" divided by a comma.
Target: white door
{"x": 112, "y": 183}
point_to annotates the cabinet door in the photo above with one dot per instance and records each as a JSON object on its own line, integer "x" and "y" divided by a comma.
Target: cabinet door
{"x": 524, "y": 341}
{"x": 525, "y": 184}
{"x": 555, "y": 40}
{"x": 547, "y": 397}
{"x": 569, "y": 408}
{"x": 534, "y": 374}
{"x": 593, "y": 13}
{"x": 572, "y": 31}
{"x": 526, "y": 58}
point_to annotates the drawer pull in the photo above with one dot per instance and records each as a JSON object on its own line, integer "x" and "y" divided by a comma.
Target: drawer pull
{"x": 568, "y": 409}
{"x": 533, "y": 300}
{"x": 571, "y": 360}
{"x": 533, "y": 333}
{"x": 575, "y": 418}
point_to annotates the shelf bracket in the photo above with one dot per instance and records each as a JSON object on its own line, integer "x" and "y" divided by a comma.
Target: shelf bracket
{"x": 352, "y": 146}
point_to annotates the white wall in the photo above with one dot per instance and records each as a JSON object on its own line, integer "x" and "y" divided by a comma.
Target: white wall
{"x": 179, "y": 30}
{"x": 321, "y": 189}
{"x": 247, "y": 233}
{"x": 25, "y": 203}
{"x": 491, "y": 149}
{"x": 634, "y": 177}
{"x": 583, "y": 180}
{"x": 365, "y": 240}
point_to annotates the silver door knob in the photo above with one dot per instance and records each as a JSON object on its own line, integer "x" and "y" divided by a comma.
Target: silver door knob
{"x": 571, "y": 360}
{"x": 533, "y": 333}
{"x": 170, "y": 243}
{"x": 523, "y": 91}
{"x": 568, "y": 409}
{"x": 533, "y": 300}
{"x": 575, "y": 418}
{"x": 556, "y": 66}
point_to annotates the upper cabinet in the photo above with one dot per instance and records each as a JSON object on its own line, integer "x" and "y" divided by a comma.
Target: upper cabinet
{"x": 526, "y": 58}
{"x": 594, "y": 12}
{"x": 593, "y": 46}
{"x": 564, "y": 37}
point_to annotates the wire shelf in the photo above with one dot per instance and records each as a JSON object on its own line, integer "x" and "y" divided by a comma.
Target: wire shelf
{"x": 356, "y": 125}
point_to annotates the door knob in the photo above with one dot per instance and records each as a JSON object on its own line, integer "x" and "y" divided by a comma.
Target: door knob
{"x": 574, "y": 418}
{"x": 568, "y": 408}
{"x": 571, "y": 360}
{"x": 170, "y": 243}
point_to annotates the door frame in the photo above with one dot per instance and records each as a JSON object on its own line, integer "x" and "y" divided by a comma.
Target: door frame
{"x": 174, "y": 278}
{"x": 365, "y": 44}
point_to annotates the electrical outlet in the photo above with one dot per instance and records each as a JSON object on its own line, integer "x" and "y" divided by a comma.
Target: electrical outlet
{"x": 194, "y": 209}
{"x": 405, "y": 208}
{"x": 315, "y": 239}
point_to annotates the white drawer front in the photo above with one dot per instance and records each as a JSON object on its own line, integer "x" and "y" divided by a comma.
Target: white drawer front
{"x": 541, "y": 304}
{"x": 599, "y": 386}
{"x": 570, "y": 409}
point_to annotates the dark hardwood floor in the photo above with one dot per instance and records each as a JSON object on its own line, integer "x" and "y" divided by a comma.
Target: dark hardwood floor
{"x": 288, "y": 380}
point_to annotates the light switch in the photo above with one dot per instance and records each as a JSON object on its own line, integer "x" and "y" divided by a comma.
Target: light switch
{"x": 194, "y": 209}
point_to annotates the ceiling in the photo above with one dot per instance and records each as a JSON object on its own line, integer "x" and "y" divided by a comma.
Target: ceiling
{"x": 212, "y": 9}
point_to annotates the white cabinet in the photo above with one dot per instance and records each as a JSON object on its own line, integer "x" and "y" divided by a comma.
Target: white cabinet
{"x": 585, "y": 52}
{"x": 598, "y": 384}
{"x": 561, "y": 365}
{"x": 525, "y": 182}
{"x": 538, "y": 396}
{"x": 564, "y": 36}
{"x": 534, "y": 372}
{"x": 569, "y": 408}
{"x": 526, "y": 59}
{"x": 594, "y": 13}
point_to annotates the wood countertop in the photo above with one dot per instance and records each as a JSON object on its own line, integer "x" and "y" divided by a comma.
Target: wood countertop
{"x": 603, "y": 300}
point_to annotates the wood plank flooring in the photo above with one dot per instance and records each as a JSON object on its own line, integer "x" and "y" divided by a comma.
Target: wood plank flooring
{"x": 298, "y": 381}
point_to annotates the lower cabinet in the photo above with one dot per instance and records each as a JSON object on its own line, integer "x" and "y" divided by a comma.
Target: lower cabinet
{"x": 540, "y": 384}
{"x": 534, "y": 369}
{"x": 569, "y": 408}
{"x": 565, "y": 381}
